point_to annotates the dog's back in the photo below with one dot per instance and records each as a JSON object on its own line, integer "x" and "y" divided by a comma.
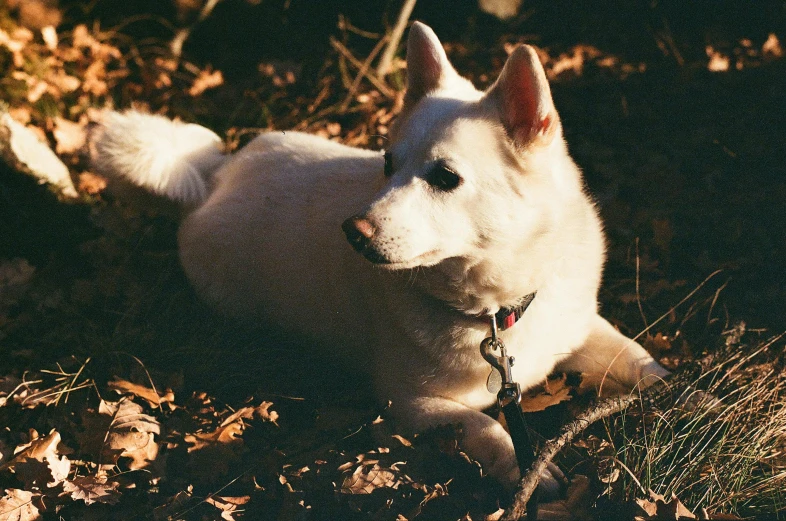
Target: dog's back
{"x": 267, "y": 242}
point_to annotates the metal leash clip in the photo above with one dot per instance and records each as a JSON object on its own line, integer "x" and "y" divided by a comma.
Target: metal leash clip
{"x": 500, "y": 380}
{"x": 508, "y": 397}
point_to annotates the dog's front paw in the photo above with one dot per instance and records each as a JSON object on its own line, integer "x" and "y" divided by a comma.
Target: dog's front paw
{"x": 487, "y": 442}
{"x": 493, "y": 448}
{"x": 651, "y": 372}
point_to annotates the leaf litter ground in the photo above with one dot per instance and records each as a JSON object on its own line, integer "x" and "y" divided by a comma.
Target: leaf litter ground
{"x": 124, "y": 397}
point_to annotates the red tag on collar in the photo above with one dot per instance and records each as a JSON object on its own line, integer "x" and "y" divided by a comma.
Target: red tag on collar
{"x": 507, "y": 317}
{"x": 508, "y": 321}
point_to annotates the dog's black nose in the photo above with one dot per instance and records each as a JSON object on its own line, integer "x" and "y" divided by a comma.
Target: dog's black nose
{"x": 359, "y": 232}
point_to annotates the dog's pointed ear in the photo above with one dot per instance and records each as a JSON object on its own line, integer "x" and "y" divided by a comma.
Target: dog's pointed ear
{"x": 428, "y": 67}
{"x": 523, "y": 98}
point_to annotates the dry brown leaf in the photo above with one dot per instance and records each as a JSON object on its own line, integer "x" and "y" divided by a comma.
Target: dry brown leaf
{"x": 228, "y": 505}
{"x": 15, "y": 45}
{"x": 69, "y": 136}
{"x": 230, "y": 433}
{"x": 554, "y": 391}
{"x": 93, "y": 82}
{"x": 656, "y": 508}
{"x": 146, "y": 393}
{"x": 718, "y": 62}
{"x": 49, "y": 35}
{"x": 772, "y": 47}
{"x": 92, "y": 489}
{"x": 659, "y": 342}
{"x": 207, "y": 79}
{"x": 38, "y": 90}
{"x": 21, "y": 114}
{"x": 120, "y": 429}
{"x": 367, "y": 478}
{"x": 94, "y": 184}
{"x": 38, "y": 463}
{"x": 401, "y": 439}
{"x": 263, "y": 412}
{"x": 38, "y": 14}
{"x": 19, "y": 505}
{"x": 212, "y": 453}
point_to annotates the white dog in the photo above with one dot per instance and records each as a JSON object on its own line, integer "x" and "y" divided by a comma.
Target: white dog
{"x": 475, "y": 207}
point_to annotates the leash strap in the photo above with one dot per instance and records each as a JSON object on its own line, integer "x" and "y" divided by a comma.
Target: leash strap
{"x": 509, "y": 398}
{"x": 523, "y": 447}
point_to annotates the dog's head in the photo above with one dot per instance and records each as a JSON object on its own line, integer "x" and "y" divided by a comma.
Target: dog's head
{"x": 469, "y": 172}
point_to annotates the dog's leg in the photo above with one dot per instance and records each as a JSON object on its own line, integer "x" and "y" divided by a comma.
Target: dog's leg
{"x": 613, "y": 362}
{"x": 483, "y": 438}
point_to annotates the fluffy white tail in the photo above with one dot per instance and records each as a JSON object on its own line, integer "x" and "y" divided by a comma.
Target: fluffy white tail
{"x": 167, "y": 157}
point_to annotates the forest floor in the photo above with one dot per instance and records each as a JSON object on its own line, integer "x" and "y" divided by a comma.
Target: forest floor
{"x": 124, "y": 397}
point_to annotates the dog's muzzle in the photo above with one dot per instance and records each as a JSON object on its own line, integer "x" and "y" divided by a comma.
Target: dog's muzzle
{"x": 359, "y": 232}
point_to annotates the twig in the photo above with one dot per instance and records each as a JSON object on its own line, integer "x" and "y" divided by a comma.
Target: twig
{"x": 529, "y": 482}
{"x": 362, "y": 72}
{"x": 176, "y": 46}
{"x": 395, "y": 38}
{"x": 380, "y": 85}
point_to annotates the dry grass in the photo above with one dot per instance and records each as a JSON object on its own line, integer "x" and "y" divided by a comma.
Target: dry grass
{"x": 720, "y": 448}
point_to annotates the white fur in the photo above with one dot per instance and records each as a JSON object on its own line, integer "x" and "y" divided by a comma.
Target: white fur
{"x": 167, "y": 157}
{"x": 267, "y": 244}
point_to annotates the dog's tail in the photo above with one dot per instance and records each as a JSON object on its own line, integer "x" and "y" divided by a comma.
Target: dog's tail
{"x": 166, "y": 157}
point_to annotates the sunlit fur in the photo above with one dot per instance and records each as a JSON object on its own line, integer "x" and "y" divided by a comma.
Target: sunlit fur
{"x": 266, "y": 244}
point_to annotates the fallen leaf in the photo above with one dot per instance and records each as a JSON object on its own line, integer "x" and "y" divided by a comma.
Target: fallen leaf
{"x": 554, "y": 391}
{"x": 70, "y": 137}
{"x": 211, "y": 453}
{"x": 228, "y": 505}
{"x": 772, "y": 47}
{"x": 120, "y": 429}
{"x": 226, "y": 434}
{"x": 92, "y": 184}
{"x": 38, "y": 463}
{"x": 656, "y": 508}
{"x": 92, "y": 489}
{"x": 146, "y": 393}
{"x": 207, "y": 79}
{"x": 367, "y": 478}
{"x": 263, "y": 412}
{"x": 49, "y": 34}
{"x": 18, "y": 505}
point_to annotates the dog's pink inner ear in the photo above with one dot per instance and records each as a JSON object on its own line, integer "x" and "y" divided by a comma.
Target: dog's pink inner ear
{"x": 427, "y": 64}
{"x": 524, "y": 99}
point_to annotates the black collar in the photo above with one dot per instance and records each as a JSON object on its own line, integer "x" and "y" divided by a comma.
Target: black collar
{"x": 507, "y": 317}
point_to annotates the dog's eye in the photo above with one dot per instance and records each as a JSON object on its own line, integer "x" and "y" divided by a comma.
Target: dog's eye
{"x": 443, "y": 178}
{"x": 388, "y": 164}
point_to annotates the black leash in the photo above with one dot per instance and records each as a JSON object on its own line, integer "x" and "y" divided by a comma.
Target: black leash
{"x": 508, "y": 399}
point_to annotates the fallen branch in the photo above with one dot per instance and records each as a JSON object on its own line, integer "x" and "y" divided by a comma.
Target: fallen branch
{"x": 395, "y": 38}
{"x": 529, "y": 482}
{"x": 362, "y": 73}
{"x": 379, "y": 84}
{"x": 176, "y": 45}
